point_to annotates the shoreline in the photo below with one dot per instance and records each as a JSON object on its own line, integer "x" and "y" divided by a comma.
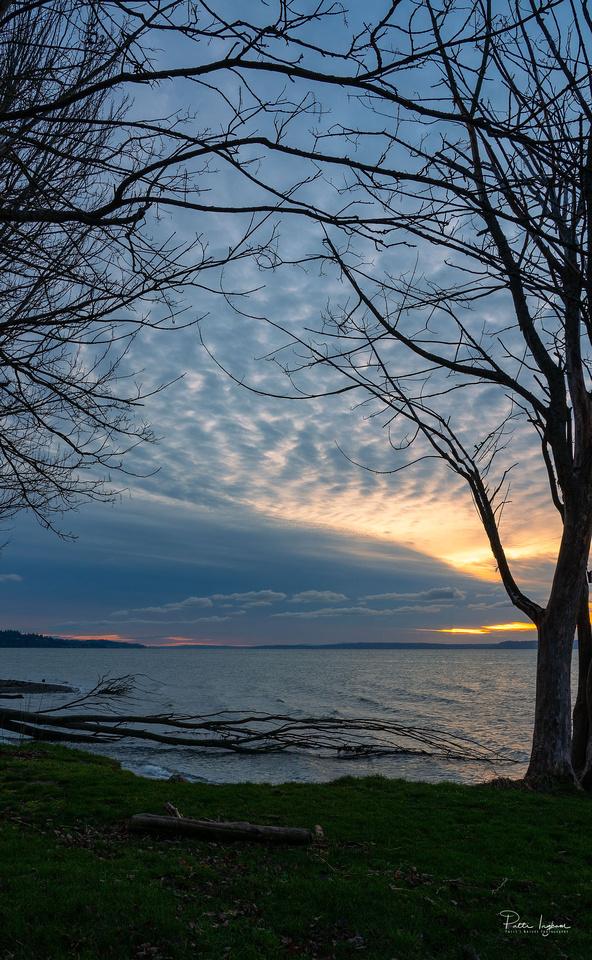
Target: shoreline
{"x": 11, "y": 688}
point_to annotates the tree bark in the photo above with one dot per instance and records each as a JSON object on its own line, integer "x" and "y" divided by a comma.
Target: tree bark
{"x": 552, "y": 737}
{"x": 551, "y": 743}
{"x": 215, "y": 831}
{"x": 585, "y": 775}
{"x": 582, "y": 719}
{"x": 582, "y": 710}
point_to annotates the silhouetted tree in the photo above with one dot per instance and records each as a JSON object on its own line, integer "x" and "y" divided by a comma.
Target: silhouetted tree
{"x": 461, "y": 130}
{"x": 83, "y": 261}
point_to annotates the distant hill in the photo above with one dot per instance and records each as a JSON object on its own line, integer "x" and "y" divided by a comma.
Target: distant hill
{"x": 13, "y": 638}
{"x": 521, "y": 644}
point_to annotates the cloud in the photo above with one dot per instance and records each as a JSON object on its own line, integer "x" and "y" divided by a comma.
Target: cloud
{"x": 489, "y": 606}
{"x": 9, "y": 576}
{"x": 197, "y": 620}
{"x": 352, "y": 612}
{"x": 207, "y": 457}
{"x": 254, "y": 598}
{"x": 109, "y": 622}
{"x": 267, "y": 596}
{"x": 318, "y": 596}
{"x": 168, "y": 607}
{"x": 436, "y": 593}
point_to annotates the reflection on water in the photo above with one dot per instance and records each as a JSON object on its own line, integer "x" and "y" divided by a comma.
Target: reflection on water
{"x": 486, "y": 695}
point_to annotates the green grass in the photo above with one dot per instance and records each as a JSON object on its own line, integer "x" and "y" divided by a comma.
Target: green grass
{"x": 405, "y": 870}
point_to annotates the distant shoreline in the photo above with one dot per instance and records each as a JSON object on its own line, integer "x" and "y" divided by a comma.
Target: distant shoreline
{"x": 374, "y": 645}
{"x": 15, "y": 639}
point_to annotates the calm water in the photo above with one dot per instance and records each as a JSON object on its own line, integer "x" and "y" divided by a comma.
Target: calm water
{"x": 483, "y": 694}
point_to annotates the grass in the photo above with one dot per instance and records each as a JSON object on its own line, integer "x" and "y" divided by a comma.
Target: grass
{"x": 405, "y": 870}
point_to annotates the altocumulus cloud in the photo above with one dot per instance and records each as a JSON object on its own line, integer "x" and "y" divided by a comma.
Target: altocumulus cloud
{"x": 436, "y": 593}
{"x": 168, "y": 607}
{"x": 254, "y": 596}
{"x": 318, "y": 596}
{"x": 490, "y": 606}
{"x": 353, "y": 612}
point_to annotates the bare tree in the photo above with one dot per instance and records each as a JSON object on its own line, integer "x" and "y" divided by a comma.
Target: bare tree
{"x": 84, "y": 262}
{"x": 462, "y": 129}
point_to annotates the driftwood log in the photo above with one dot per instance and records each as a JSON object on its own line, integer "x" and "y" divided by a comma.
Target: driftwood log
{"x": 215, "y": 831}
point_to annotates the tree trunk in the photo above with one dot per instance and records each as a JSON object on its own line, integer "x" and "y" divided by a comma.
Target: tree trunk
{"x": 585, "y": 775}
{"x": 552, "y": 737}
{"x": 551, "y": 744}
{"x": 582, "y": 718}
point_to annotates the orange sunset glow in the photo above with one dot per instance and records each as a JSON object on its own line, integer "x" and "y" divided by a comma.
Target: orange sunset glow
{"x": 444, "y": 526}
{"x": 92, "y": 636}
{"x": 516, "y": 626}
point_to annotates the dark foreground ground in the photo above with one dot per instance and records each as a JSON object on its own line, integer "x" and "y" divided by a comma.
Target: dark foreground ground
{"x": 404, "y": 870}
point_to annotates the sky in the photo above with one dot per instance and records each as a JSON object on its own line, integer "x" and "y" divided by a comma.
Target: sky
{"x": 257, "y": 520}
{"x": 256, "y": 529}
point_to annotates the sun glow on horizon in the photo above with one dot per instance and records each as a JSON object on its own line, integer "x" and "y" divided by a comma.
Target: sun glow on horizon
{"x": 98, "y": 636}
{"x": 447, "y": 529}
{"x": 515, "y": 626}
{"x": 190, "y": 642}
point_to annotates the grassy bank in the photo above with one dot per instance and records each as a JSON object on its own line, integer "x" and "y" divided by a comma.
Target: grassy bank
{"x": 405, "y": 870}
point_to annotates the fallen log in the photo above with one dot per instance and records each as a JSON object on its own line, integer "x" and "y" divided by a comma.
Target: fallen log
{"x": 217, "y": 831}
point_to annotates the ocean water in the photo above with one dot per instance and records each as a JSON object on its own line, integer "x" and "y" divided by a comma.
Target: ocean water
{"x": 486, "y": 695}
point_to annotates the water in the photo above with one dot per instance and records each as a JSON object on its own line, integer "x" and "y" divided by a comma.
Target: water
{"x": 487, "y": 695}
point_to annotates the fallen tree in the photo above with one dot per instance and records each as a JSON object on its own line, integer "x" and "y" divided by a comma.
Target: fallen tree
{"x": 255, "y": 733}
{"x": 232, "y": 730}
